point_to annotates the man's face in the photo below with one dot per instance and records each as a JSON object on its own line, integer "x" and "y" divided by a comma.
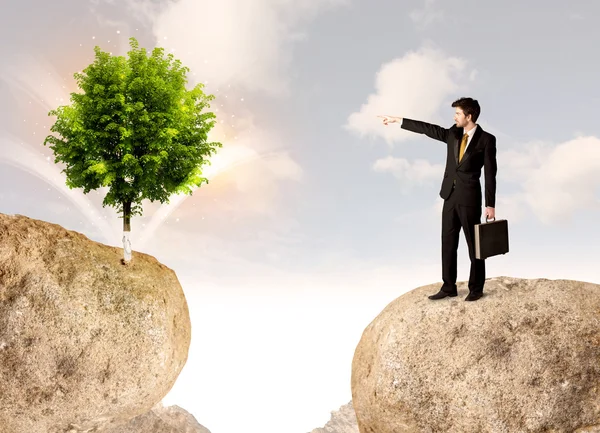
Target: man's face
{"x": 460, "y": 119}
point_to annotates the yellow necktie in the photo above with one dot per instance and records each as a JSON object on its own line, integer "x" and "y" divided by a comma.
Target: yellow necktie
{"x": 463, "y": 145}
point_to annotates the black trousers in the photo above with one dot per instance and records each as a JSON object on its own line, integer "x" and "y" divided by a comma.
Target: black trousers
{"x": 455, "y": 216}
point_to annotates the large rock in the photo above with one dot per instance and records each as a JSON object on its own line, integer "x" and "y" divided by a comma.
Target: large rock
{"x": 342, "y": 421}
{"x": 85, "y": 342}
{"x": 524, "y": 358}
{"x": 160, "y": 419}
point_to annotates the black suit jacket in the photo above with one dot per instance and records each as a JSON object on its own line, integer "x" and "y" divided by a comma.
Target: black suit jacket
{"x": 481, "y": 152}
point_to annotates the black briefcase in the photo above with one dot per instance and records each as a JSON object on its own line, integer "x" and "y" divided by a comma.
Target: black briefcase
{"x": 491, "y": 238}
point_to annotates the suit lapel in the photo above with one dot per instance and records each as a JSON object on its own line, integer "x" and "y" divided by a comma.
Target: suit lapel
{"x": 470, "y": 147}
{"x": 459, "y": 133}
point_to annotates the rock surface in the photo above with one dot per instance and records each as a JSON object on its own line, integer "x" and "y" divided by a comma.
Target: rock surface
{"x": 342, "y": 421}
{"x": 85, "y": 342}
{"x": 160, "y": 419}
{"x": 524, "y": 358}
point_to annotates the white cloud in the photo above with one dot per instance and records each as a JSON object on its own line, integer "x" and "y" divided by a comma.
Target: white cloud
{"x": 430, "y": 14}
{"x": 511, "y": 207}
{"x": 473, "y": 74}
{"x": 418, "y": 173}
{"x": 143, "y": 10}
{"x": 415, "y": 86}
{"x": 552, "y": 182}
{"x": 234, "y": 42}
{"x": 555, "y": 181}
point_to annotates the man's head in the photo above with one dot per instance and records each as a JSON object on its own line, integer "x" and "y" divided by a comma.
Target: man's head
{"x": 466, "y": 112}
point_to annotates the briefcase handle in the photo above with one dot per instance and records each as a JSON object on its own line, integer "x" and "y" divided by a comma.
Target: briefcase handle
{"x": 486, "y": 219}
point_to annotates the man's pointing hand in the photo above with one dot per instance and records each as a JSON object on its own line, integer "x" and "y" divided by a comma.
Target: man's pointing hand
{"x": 390, "y": 119}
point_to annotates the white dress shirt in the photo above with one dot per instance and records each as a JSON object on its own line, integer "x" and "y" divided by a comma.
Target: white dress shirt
{"x": 471, "y": 133}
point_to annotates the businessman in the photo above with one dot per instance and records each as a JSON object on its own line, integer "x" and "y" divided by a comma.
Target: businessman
{"x": 469, "y": 149}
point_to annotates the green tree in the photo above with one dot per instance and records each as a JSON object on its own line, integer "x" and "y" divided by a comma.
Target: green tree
{"x": 136, "y": 129}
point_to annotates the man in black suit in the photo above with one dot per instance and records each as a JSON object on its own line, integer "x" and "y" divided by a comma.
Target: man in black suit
{"x": 469, "y": 149}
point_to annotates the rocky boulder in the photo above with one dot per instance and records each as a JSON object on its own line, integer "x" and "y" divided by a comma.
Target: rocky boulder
{"x": 86, "y": 343}
{"x": 342, "y": 421}
{"x": 160, "y": 419}
{"x": 524, "y": 358}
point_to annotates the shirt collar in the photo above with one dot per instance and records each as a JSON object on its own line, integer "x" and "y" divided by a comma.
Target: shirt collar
{"x": 471, "y": 132}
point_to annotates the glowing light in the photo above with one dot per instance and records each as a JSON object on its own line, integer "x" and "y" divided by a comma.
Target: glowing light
{"x": 220, "y": 163}
{"x": 27, "y": 160}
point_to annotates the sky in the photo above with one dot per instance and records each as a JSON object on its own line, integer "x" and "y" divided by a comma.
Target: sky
{"x": 317, "y": 215}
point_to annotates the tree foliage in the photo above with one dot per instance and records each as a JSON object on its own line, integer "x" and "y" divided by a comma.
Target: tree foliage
{"x": 135, "y": 129}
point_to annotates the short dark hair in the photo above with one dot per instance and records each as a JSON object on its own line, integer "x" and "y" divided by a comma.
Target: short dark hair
{"x": 468, "y": 106}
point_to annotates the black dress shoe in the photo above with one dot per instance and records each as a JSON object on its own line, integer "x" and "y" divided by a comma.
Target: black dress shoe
{"x": 441, "y": 295}
{"x": 473, "y": 296}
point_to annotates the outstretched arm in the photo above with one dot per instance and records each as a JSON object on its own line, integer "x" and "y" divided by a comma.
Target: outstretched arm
{"x": 433, "y": 131}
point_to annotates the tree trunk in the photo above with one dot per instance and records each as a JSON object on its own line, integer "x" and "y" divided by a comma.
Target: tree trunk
{"x": 126, "y": 231}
